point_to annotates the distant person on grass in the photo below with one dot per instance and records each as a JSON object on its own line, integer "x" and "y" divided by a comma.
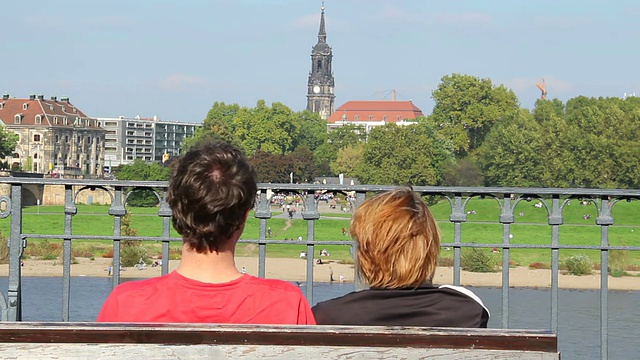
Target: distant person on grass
{"x": 211, "y": 192}
{"x": 398, "y": 247}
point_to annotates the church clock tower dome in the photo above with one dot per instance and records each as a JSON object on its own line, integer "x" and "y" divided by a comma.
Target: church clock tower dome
{"x": 320, "y": 96}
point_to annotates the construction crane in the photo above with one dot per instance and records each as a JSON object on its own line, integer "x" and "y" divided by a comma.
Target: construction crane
{"x": 543, "y": 88}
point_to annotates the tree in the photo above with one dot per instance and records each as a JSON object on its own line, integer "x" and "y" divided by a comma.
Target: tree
{"x": 8, "y": 142}
{"x": 217, "y": 126}
{"x": 271, "y": 168}
{"x": 510, "y": 154}
{"x": 142, "y": 171}
{"x": 399, "y": 155}
{"x": 464, "y": 172}
{"x": 466, "y": 108}
{"x": 275, "y": 168}
{"x": 339, "y": 138}
{"x": 275, "y": 129}
{"x": 349, "y": 160}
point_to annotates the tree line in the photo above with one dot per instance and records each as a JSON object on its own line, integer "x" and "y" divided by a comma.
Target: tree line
{"x": 477, "y": 135}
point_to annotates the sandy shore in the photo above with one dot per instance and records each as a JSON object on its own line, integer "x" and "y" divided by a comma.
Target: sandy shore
{"x": 295, "y": 270}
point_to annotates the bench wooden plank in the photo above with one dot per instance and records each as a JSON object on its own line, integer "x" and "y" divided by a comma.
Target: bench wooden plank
{"x": 243, "y": 352}
{"x": 282, "y": 336}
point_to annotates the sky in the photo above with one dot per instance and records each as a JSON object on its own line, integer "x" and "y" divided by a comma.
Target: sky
{"x": 174, "y": 59}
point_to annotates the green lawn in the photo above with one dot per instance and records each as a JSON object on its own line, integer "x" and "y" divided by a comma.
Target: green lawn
{"x": 481, "y": 227}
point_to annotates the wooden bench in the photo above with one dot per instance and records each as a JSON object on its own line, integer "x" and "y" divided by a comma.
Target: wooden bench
{"x": 24, "y": 340}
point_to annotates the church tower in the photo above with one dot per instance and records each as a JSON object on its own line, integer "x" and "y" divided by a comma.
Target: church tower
{"x": 320, "y": 97}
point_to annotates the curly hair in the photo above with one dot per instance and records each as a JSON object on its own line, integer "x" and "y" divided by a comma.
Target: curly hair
{"x": 398, "y": 240}
{"x": 210, "y": 192}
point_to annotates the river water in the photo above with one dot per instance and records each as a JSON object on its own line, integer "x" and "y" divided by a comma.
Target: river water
{"x": 579, "y": 311}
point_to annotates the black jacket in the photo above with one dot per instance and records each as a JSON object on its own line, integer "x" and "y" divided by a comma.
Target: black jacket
{"x": 444, "y": 306}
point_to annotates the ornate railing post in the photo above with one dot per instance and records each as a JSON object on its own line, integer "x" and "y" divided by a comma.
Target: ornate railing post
{"x": 16, "y": 246}
{"x": 263, "y": 212}
{"x": 605, "y": 220}
{"x": 457, "y": 217}
{"x": 117, "y": 210}
{"x": 165, "y": 213}
{"x": 506, "y": 219}
{"x": 359, "y": 282}
{"x": 310, "y": 214}
{"x": 70, "y": 210}
{"x": 555, "y": 220}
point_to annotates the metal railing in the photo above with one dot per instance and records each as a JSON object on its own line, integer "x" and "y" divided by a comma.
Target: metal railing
{"x": 553, "y": 200}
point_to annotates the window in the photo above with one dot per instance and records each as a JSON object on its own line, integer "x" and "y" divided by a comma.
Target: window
{"x": 36, "y": 137}
{"x": 17, "y": 119}
{"x": 35, "y": 156}
{"x": 370, "y": 117}
{"x": 384, "y": 118}
{"x": 399, "y": 118}
{"x": 57, "y": 138}
{"x": 110, "y": 123}
{"x": 16, "y": 156}
{"x": 55, "y": 120}
{"x": 64, "y": 121}
{"x": 38, "y": 119}
{"x": 1, "y": 105}
{"x": 25, "y": 106}
{"x": 356, "y": 118}
{"x": 112, "y": 132}
{"x": 66, "y": 138}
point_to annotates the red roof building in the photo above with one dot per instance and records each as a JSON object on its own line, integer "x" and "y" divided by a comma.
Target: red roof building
{"x": 371, "y": 113}
{"x": 53, "y": 134}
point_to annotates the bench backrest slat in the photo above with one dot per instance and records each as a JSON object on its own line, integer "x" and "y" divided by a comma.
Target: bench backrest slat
{"x": 328, "y": 336}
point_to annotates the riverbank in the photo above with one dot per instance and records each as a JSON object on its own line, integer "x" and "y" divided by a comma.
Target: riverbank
{"x": 295, "y": 270}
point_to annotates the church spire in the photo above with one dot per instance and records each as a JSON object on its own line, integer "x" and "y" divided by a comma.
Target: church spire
{"x": 320, "y": 97}
{"x": 322, "y": 33}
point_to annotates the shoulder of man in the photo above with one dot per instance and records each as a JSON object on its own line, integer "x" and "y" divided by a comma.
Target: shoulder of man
{"x": 470, "y": 294}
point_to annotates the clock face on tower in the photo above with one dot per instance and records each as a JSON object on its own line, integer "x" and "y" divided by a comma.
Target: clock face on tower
{"x": 316, "y": 89}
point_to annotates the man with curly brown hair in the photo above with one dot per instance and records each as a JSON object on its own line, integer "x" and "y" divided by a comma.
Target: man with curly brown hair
{"x": 211, "y": 191}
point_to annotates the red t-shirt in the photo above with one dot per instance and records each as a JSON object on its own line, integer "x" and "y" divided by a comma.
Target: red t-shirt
{"x": 175, "y": 298}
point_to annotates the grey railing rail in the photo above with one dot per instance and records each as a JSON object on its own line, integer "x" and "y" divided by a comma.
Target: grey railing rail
{"x": 554, "y": 201}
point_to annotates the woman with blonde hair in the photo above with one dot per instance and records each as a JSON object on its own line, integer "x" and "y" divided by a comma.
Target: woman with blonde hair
{"x": 398, "y": 246}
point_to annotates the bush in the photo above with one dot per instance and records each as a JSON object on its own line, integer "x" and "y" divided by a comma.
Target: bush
{"x": 4, "y": 250}
{"x": 477, "y": 260}
{"x": 131, "y": 252}
{"x": 618, "y": 260}
{"x": 539, "y": 265}
{"x": 579, "y": 265}
{"x": 81, "y": 253}
{"x": 445, "y": 261}
{"x": 44, "y": 250}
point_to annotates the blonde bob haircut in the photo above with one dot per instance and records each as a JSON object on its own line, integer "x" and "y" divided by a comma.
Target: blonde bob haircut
{"x": 398, "y": 240}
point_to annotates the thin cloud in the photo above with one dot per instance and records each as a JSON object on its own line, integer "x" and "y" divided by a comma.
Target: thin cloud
{"x": 108, "y": 21}
{"x": 307, "y": 22}
{"x": 41, "y": 21}
{"x": 394, "y": 13}
{"x": 180, "y": 82}
{"x": 561, "y": 22}
{"x": 466, "y": 18}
